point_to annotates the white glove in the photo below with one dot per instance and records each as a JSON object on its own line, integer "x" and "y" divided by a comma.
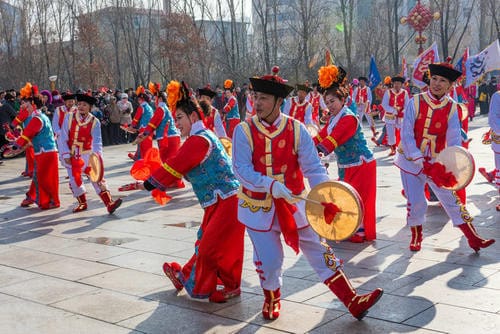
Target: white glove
{"x": 279, "y": 190}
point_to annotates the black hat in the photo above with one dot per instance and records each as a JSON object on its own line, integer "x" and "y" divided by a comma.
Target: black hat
{"x": 365, "y": 79}
{"x": 271, "y": 84}
{"x": 207, "y": 91}
{"x": 397, "y": 78}
{"x": 303, "y": 87}
{"x": 445, "y": 69}
{"x": 86, "y": 98}
{"x": 67, "y": 96}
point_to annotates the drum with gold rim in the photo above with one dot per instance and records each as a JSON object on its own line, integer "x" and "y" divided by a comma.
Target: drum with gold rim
{"x": 460, "y": 163}
{"x": 96, "y": 171}
{"x": 9, "y": 151}
{"x": 228, "y": 145}
{"x": 345, "y": 199}
{"x": 313, "y": 129}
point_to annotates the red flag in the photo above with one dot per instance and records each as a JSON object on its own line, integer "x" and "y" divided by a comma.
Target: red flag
{"x": 421, "y": 64}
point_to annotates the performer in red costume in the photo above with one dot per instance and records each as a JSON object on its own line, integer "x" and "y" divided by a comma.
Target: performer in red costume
{"x": 203, "y": 161}
{"x": 69, "y": 106}
{"x": 230, "y": 110}
{"x": 318, "y": 104}
{"x": 213, "y": 119}
{"x": 394, "y": 102}
{"x": 272, "y": 154}
{"x": 60, "y": 113}
{"x": 363, "y": 99}
{"x": 430, "y": 124}
{"x": 80, "y": 136}
{"x": 44, "y": 188}
{"x": 343, "y": 135}
{"x": 141, "y": 119}
{"x": 20, "y": 121}
{"x": 298, "y": 107}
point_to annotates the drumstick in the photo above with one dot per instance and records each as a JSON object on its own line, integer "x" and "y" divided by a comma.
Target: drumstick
{"x": 319, "y": 203}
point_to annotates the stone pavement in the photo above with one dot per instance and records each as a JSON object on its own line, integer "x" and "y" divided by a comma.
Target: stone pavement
{"x": 97, "y": 273}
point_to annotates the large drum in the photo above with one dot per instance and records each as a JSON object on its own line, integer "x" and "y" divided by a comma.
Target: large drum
{"x": 460, "y": 163}
{"x": 313, "y": 129}
{"x": 334, "y": 210}
{"x": 228, "y": 145}
{"x": 8, "y": 151}
{"x": 96, "y": 171}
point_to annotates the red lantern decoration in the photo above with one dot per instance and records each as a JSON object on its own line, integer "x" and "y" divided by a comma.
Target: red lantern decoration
{"x": 419, "y": 19}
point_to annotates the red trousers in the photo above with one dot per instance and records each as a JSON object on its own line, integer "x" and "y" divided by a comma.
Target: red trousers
{"x": 168, "y": 147}
{"x": 45, "y": 180}
{"x": 230, "y": 125}
{"x": 364, "y": 179}
{"x": 30, "y": 159}
{"x": 143, "y": 147}
{"x": 218, "y": 251}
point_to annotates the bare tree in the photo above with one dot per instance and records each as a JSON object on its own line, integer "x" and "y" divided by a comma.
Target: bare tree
{"x": 393, "y": 32}
{"x": 495, "y": 11}
{"x": 451, "y": 24}
{"x": 265, "y": 18}
{"x": 305, "y": 23}
{"x": 347, "y": 14}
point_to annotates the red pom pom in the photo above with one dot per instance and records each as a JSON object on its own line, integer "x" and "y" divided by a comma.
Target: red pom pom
{"x": 439, "y": 175}
{"x": 275, "y": 69}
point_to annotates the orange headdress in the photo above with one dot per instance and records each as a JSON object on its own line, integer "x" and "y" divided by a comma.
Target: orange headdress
{"x": 154, "y": 88}
{"x": 228, "y": 84}
{"x": 28, "y": 91}
{"x": 140, "y": 90}
{"x": 174, "y": 94}
{"x": 331, "y": 75}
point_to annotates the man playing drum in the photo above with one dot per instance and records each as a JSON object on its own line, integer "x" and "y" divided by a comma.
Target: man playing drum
{"x": 430, "y": 124}
{"x": 80, "y": 138}
{"x": 272, "y": 153}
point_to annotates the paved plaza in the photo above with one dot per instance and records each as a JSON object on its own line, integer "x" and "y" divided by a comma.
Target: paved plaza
{"x": 97, "y": 273}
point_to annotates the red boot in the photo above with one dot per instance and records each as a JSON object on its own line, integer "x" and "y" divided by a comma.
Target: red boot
{"x": 172, "y": 270}
{"x": 82, "y": 203}
{"x": 393, "y": 151}
{"x": 27, "y": 202}
{"x": 272, "y": 305}
{"x": 416, "y": 238}
{"x": 358, "y": 305}
{"x": 489, "y": 176}
{"x": 108, "y": 201}
{"x": 475, "y": 241}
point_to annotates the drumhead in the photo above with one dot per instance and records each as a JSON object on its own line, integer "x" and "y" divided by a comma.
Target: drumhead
{"x": 460, "y": 162}
{"x": 344, "y": 197}
{"x": 313, "y": 129}
{"x": 96, "y": 171}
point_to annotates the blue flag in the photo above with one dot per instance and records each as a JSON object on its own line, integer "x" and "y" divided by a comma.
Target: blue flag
{"x": 374, "y": 76}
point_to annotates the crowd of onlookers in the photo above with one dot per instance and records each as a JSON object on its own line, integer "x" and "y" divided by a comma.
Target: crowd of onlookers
{"x": 113, "y": 109}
